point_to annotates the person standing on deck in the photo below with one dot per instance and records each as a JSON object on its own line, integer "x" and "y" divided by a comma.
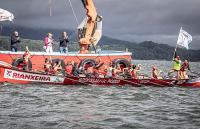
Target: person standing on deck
{"x": 15, "y": 40}
{"x": 64, "y": 43}
{"x": 48, "y": 43}
{"x": 177, "y": 66}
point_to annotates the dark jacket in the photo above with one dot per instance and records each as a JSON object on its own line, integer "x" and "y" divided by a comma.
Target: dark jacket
{"x": 63, "y": 41}
{"x": 15, "y": 40}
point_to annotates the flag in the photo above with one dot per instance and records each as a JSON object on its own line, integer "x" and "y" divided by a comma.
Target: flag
{"x": 6, "y": 15}
{"x": 184, "y": 39}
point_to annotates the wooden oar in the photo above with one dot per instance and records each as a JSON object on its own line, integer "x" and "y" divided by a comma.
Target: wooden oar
{"x": 130, "y": 82}
{"x": 195, "y": 73}
{"x": 79, "y": 81}
{"x": 5, "y": 64}
{"x": 157, "y": 79}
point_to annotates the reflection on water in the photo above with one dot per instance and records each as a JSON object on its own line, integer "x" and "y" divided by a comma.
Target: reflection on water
{"x": 86, "y": 107}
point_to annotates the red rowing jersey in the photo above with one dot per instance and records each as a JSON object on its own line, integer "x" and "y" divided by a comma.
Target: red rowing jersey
{"x": 68, "y": 69}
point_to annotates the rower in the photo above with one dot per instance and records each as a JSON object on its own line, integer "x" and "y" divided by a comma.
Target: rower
{"x": 75, "y": 70}
{"x": 48, "y": 65}
{"x": 185, "y": 66}
{"x": 90, "y": 71}
{"x": 109, "y": 71}
{"x": 134, "y": 72}
{"x": 155, "y": 73}
{"x": 126, "y": 71}
{"x": 97, "y": 69}
{"x": 26, "y": 57}
{"x": 117, "y": 71}
{"x": 57, "y": 68}
{"x": 69, "y": 68}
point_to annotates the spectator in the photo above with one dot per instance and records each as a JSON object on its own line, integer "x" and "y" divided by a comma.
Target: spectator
{"x": 48, "y": 43}
{"x": 64, "y": 43}
{"x": 15, "y": 40}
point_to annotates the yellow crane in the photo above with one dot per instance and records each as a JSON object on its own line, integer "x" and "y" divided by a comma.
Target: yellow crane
{"x": 91, "y": 32}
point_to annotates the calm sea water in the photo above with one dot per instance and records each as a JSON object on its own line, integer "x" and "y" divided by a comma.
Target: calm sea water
{"x": 87, "y": 107}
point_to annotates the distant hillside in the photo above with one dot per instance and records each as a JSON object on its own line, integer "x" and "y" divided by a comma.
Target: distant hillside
{"x": 146, "y": 50}
{"x": 35, "y": 34}
{"x": 149, "y": 50}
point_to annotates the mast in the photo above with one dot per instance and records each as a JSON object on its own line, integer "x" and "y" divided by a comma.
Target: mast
{"x": 87, "y": 38}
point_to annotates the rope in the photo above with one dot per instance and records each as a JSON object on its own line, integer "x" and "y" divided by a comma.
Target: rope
{"x": 70, "y": 3}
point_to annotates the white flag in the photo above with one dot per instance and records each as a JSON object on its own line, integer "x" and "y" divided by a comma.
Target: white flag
{"x": 184, "y": 39}
{"x": 6, "y": 15}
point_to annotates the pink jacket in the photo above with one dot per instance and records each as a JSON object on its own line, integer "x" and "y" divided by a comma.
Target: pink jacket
{"x": 47, "y": 41}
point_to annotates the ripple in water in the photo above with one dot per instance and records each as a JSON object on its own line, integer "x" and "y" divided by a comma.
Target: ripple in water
{"x": 82, "y": 107}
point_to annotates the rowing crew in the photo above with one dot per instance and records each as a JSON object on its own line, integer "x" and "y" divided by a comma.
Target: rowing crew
{"x": 94, "y": 70}
{"x": 91, "y": 70}
{"x": 109, "y": 71}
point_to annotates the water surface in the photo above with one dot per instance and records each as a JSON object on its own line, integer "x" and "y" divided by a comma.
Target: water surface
{"x": 92, "y": 107}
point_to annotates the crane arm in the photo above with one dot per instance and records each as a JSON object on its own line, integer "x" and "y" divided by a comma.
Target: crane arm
{"x": 90, "y": 25}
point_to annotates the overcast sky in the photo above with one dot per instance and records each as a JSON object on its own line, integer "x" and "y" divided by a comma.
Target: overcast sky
{"x": 132, "y": 20}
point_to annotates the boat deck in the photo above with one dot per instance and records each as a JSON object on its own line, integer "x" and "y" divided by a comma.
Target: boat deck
{"x": 75, "y": 53}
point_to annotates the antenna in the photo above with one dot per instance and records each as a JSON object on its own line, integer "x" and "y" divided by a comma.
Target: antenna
{"x": 50, "y": 10}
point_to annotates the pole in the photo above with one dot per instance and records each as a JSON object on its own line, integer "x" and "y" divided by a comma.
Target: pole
{"x": 1, "y": 29}
{"x": 174, "y": 52}
{"x": 176, "y": 45}
{"x": 188, "y": 54}
{"x": 50, "y": 10}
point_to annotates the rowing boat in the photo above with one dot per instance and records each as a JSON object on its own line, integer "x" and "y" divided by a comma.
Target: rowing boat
{"x": 10, "y": 75}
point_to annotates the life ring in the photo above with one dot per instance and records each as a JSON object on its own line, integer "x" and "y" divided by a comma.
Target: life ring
{"x": 85, "y": 63}
{"x": 56, "y": 60}
{"x": 124, "y": 63}
{"x": 18, "y": 64}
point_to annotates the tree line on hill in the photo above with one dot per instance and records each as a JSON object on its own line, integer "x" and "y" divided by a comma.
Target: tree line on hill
{"x": 146, "y": 50}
